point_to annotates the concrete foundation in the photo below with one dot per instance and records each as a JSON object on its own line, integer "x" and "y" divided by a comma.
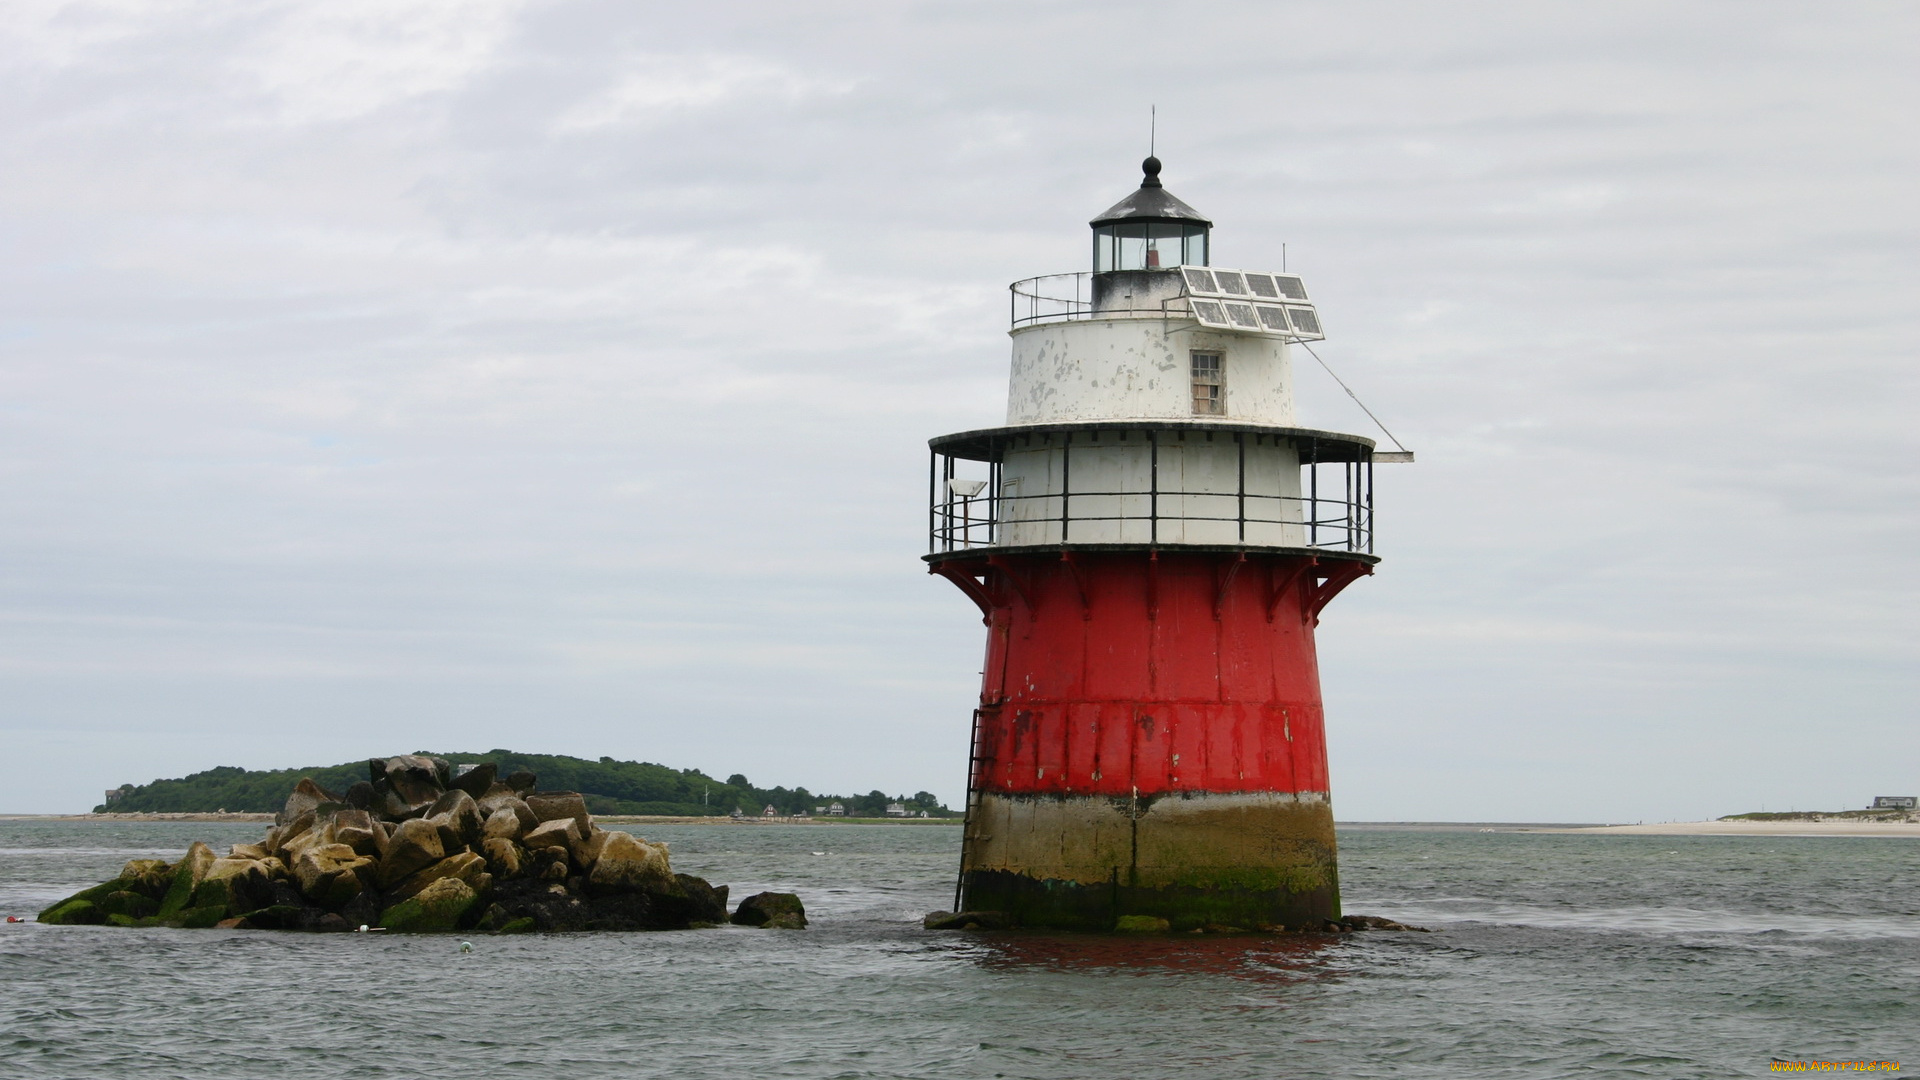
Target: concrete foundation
{"x": 1252, "y": 859}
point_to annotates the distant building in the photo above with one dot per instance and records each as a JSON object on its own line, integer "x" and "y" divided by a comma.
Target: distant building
{"x": 1894, "y": 802}
{"x": 837, "y": 810}
{"x": 116, "y": 794}
{"x": 895, "y": 809}
{"x": 770, "y": 811}
{"x": 923, "y": 813}
{"x": 736, "y": 813}
{"x": 819, "y": 810}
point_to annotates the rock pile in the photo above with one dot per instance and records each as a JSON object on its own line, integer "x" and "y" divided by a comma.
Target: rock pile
{"x": 415, "y": 848}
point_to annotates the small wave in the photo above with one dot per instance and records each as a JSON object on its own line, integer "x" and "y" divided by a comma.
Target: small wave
{"x": 1659, "y": 920}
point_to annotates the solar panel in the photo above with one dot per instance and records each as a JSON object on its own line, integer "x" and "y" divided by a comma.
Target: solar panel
{"x": 1211, "y": 293}
{"x": 1199, "y": 280}
{"x": 1209, "y": 314}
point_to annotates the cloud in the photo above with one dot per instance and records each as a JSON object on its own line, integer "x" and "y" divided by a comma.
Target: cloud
{"x": 562, "y": 372}
{"x": 652, "y": 85}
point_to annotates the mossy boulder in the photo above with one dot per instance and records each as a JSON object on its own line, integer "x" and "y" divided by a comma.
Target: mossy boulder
{"x": 88, "y": 907}
{"x": 148, "y": 877}
{"x": 127, "y": 903}
{"x": 437, "y": 908}
{"x": 1141, "y": 924}
{"x": 200, "y": 918}
{"x": 73, "y": 912}
{"x": 188, "y": 873}
{"x": 216, "y": 893}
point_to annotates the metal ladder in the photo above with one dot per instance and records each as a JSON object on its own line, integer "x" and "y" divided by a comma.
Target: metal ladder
{"x": 974, "y": 761}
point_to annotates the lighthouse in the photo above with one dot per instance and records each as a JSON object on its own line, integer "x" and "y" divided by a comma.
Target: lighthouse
{"x": 1150, "y": 539}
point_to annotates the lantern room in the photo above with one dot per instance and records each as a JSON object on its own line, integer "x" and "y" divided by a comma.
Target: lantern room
{"x": 1149, "y": 229}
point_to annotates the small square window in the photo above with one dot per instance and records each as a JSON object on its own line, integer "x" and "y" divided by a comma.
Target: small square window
{"x": 1209, "y": 385}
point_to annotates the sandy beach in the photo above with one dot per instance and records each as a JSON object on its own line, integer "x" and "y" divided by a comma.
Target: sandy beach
{"x": 1759, "y": 828}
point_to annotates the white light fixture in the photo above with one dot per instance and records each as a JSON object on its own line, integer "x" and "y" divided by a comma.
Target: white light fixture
{"x": 966, "y": 489}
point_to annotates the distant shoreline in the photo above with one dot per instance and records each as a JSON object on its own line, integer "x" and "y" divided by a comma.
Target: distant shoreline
{"x": 1759, "y": 828}
{"x": 1668, "y": 828}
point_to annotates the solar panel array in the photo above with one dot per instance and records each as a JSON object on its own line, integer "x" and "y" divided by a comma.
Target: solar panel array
{"x": 1251, "y": 303}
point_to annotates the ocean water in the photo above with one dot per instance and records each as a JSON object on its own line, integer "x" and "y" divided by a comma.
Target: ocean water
{"x": 1553, "y": 955}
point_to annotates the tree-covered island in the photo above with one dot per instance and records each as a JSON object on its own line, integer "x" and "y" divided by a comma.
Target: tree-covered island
{"x": 610, "y": 787}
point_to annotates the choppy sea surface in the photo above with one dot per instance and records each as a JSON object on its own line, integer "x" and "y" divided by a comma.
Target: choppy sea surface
{"x": 1553, "y": 955}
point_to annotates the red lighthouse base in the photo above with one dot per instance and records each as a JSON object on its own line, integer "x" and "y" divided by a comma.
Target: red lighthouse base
{"x": 1149, "y": 739}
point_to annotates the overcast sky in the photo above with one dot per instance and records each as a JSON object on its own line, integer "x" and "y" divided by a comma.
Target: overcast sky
{"x": 384, "y": 375}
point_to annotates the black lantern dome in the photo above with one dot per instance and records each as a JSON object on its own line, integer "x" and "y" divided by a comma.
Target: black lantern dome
{"x": 1149, "y": 229}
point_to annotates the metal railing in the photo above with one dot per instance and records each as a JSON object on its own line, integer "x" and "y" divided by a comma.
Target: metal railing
{"x": 1333, "y": 512}
{"x": 1053, "y": 298}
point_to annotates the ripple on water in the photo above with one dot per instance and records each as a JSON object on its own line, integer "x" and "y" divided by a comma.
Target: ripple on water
{"x": 1554, "y": 956}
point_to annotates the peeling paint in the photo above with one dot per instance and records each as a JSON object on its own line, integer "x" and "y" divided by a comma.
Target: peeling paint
{"x": 1132, "y": 367}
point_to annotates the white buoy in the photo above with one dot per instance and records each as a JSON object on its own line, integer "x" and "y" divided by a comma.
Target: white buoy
{"x": 466, "y": 946}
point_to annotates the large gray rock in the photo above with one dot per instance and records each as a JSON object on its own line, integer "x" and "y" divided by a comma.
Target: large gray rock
{"x": 363, "y": 796}
{"x": 465, "y": 866}
{"x": 452, "y": 839}
{"x": 415, "y": 780}
{"x": 414, "y": 846}
{"x": 354, "y": 828}
{"x": 332, "y": 874}
{"x": 553, "y": 805}
{"x": 149, "y": 877}
{"x": 297, "y": 831}
{"x": 586, "y": 850}
{"x": 306, "y": 796}
{"x": 440, "y": 906}
{"x": 522, "y": 782}
{"x": 462, "y": 813}
{"x": 505, "y": 859}
{"x": 503, "y": 824}
{"x": 501, "y": 797}
{"x": 628, "y": 863}
{"x": 478, "y": 780}
{"x": 560, "y": 833}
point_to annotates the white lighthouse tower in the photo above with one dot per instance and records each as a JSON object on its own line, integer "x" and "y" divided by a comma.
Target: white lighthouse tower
{"x": 1151, "y": 538}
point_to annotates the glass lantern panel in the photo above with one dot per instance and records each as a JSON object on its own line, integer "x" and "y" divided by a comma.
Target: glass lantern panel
{"x": 1166, "y": 245}
{"x": 1105, "y": 251}
{"x": 1196, "y": 246}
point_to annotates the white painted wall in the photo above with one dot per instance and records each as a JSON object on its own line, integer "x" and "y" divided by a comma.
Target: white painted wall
{"x": 1111, "y": 480}
{"x": 1132, "y": 368}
